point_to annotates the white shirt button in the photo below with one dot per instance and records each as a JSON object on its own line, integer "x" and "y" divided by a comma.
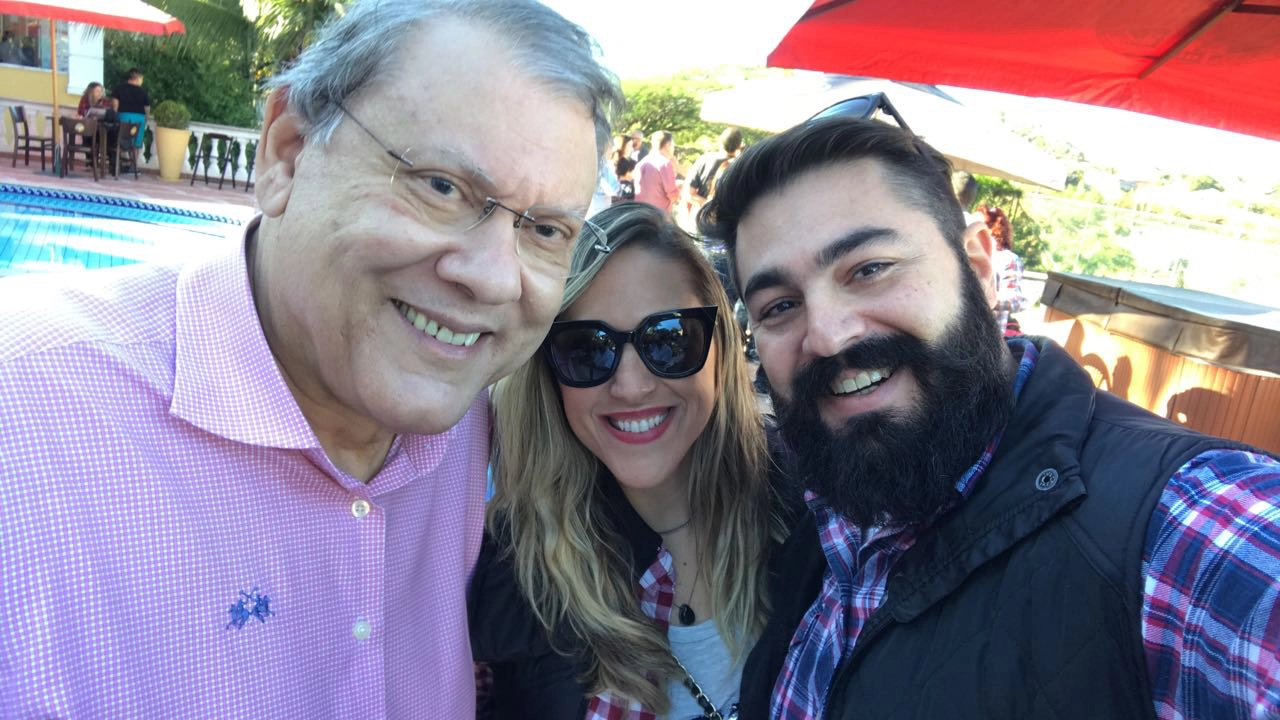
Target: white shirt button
{"x": 360, "y": 508}
{"x": 361, "y": 630}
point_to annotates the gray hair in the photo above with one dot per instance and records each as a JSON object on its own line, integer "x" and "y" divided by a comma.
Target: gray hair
{"x": 353, "y": 49}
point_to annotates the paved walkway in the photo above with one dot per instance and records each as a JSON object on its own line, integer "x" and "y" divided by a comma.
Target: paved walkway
{"x": 228, "y": 202}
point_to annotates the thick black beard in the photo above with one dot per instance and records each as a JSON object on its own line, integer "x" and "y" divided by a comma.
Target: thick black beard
{"x": 903, "y": 465}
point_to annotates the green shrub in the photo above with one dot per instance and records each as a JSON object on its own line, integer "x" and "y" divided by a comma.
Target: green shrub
{"x": 216, "y": 85}
{"x": 172, "y": 114}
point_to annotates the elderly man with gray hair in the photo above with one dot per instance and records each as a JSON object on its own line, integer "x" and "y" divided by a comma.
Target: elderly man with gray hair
{"x": 253, "y": 483}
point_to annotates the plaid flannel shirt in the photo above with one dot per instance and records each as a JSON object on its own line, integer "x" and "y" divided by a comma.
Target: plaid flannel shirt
{"x": 858, "y": 566}
{"x": 1211, "y": 611}
{"x": 1211, "y": 606}
{"x": 657, "y": 598}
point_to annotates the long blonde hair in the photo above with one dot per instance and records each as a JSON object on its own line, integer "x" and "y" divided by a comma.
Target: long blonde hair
{"x": 571, "y": 561}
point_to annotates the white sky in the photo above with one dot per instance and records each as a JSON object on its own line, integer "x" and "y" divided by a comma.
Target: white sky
{"x": 710, "y": 33}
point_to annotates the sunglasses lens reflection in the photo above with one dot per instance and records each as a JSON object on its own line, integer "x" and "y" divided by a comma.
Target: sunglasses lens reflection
{"x": 671, "y": 345}
{"x": 582, "y": 355}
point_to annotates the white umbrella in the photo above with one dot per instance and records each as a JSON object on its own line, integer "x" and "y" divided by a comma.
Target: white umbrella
{"x": 972, "y": 140}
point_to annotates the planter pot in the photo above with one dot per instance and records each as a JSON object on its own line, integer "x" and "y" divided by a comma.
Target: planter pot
{"x": 171, "y": 149}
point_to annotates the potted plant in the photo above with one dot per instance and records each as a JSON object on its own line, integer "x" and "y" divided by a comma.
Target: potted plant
{"x": 172, "y": 119}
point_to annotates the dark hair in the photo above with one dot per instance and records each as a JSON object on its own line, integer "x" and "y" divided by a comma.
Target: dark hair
{"x": 967, "y": 190}
{"x": 134, "y": 73}
{"x": 625, "y": 165}
{"x": 731, "y": 140}
{"x": 918, "y": 174}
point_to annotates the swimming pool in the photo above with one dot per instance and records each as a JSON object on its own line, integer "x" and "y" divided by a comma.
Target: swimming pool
{"x": 45, "y": 230}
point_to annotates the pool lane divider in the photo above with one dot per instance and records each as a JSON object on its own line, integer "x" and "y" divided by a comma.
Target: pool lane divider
{"x": 107, "y": 201}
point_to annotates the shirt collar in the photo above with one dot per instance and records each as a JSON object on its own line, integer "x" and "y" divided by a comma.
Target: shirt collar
{"x": 226, "y": 380}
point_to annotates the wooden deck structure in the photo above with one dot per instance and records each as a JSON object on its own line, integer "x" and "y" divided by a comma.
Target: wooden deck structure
{"x": 1204, "y": 361}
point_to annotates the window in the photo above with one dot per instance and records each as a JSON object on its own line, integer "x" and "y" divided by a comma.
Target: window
{"x": 24, "y": 41}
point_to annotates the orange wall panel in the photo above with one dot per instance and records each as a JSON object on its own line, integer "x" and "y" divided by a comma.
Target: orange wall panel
{"x": 1211, "y": 399}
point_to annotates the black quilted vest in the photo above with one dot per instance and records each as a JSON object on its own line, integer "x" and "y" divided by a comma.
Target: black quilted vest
{"x": 1025, "y": 600}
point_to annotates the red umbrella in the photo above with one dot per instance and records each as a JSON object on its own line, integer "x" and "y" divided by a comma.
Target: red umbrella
{"x": 128, "y": 15}
{"x": 1203, "y": 62}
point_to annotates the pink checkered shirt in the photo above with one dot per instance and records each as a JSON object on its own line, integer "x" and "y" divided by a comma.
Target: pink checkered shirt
{"x": 175, "y": 543}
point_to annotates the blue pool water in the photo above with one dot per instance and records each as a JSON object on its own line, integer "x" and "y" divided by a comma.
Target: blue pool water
{"x": 44, "y": 230}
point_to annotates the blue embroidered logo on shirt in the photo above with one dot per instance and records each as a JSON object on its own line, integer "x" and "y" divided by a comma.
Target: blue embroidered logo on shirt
{"x": 251, "y": 605}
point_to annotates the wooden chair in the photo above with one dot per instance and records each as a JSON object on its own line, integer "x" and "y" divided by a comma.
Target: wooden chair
{"x": 80, "y": 137}
{"x": 208, "y": 143}
{"x": 125, "y": 149}
{"x": 24, "y": 140}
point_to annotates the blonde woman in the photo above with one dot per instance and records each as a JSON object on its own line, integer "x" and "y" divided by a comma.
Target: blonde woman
{"x": 634, "y": 511}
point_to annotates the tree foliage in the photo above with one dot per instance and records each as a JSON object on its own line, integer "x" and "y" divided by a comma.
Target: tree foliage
{"x": 218, "y": 66}
{"x": 1205, "y": 182}
{"x": 216, "y": 90}
{"x": 286, "y": 27}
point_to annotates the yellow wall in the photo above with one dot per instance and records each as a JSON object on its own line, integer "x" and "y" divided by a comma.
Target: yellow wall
{"x": 33, "y": 86}
{"x": 19, "y": 85}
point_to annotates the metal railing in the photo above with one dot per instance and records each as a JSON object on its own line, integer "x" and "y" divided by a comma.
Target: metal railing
{"x": 244, "y": 143}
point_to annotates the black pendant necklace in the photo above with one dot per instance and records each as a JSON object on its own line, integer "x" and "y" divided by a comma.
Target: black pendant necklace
{"x": 685, "y": 612}
{"x": 686, "y": 615}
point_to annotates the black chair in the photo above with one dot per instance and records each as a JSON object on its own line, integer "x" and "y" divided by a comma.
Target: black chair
{"x": 125, "y": 149}
{"x": 80, "y": 137}
{"x": 206, "y": 153}
{"x": 24, "y": 140}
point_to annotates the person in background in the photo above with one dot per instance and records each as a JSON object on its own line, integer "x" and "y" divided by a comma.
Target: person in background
{"x": 131, "y": 103}
{"x": 701, "y": 182}
{"x": 634, "y": 511}
{"x": 9, "y": 51}
{"x": 607, "y": 188}
{"x": 1008, "y": 268}
{"x": 92, "y": 100}
{"x": 656, "y": 174}
{"x": 251, "y": 482}
{"x": 702, "y": 178}
{"x": 637, "y": 147}
{"x": 991, "y": 536}
{"x": 626, "y": 180}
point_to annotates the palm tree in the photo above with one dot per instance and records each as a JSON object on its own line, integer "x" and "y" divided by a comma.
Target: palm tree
{"x": 271, "y": 32}
{"x": 229, "y": 50}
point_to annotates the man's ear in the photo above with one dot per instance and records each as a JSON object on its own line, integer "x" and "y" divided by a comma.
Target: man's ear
{"x": 278, "y": 151}
{"x": 979, "y": 246}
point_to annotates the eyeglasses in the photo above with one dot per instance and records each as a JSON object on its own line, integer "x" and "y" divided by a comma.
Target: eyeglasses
{"x": 546, "y": 236}
{"x": 672, "y": 345}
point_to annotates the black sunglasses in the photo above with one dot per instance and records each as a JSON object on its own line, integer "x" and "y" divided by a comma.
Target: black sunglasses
{"x": 672, "y": 344}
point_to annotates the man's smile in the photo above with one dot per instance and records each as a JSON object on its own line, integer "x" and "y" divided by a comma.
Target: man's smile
{"x": 435, "y": 329}
{"x": 859, "y": 382}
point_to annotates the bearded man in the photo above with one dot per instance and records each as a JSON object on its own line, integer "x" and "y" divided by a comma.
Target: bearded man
{"x": 990, "y": 536}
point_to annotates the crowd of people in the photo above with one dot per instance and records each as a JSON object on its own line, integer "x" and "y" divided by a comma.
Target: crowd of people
{"x": 634, "y": 169}
{"x": 255, "y": 482}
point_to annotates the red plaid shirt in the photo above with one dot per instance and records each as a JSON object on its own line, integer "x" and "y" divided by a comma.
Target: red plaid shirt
{"x": 657, "y": 598}
{"x": 1211, "y": 606}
